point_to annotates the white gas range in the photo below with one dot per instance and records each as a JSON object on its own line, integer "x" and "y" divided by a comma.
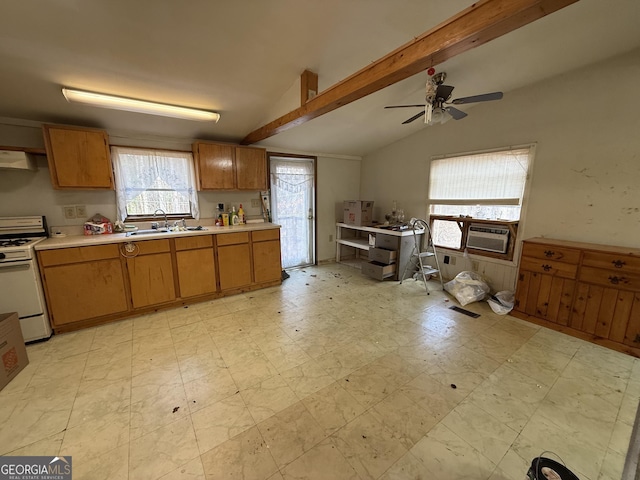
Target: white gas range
{"x": 20, "y": 284}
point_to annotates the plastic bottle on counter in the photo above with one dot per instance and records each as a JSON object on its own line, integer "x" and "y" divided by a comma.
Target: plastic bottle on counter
{"x": 241, "y": 219}
{"x": 233, "y": 217}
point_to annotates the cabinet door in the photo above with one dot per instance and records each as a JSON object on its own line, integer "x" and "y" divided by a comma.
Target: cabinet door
{"x": 151, "y": 279}
{"x": 215, "y": 166}
{"x": 608, "y": 313}
{"x": 85, "y": 290}
{"x": 266, "y": 261}
{"x": 234, "y": 266}
{"x": 196, "y": 272}
{"x": 544, "y": 296}
{"x": 78, "y": 158}
{"x": 251, "y": 168}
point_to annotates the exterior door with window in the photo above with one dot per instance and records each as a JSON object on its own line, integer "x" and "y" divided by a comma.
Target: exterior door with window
{"x": 293, "y": 207}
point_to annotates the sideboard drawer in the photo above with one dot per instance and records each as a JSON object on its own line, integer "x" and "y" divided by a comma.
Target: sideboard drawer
{"x": 550, "y": 267}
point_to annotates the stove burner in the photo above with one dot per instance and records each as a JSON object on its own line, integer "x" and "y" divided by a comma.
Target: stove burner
{"x": 15, "y": 242}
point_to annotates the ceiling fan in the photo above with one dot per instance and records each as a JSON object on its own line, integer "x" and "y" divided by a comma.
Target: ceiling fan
{"x": 437, "y": 106}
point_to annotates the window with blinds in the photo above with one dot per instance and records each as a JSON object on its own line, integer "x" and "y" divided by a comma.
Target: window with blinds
{"x": 484, "y": 185}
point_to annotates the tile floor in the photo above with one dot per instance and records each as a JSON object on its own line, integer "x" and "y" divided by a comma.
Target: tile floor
{"x": 330, "y": 376}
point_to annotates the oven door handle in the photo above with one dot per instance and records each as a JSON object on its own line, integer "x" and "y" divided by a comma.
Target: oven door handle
{"x": 26, "y": 265}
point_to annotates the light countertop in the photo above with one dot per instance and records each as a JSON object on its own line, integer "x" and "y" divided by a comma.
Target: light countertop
{"x": 87, "y": 240}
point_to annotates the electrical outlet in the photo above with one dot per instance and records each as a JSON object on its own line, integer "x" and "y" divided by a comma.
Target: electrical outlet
{"x": 474, "y": 265}
{"x": 81, "y": 211}
{"x": 331, "y": 238}
{"x": 69, "y": 212}
{"x": 255, "y": 203}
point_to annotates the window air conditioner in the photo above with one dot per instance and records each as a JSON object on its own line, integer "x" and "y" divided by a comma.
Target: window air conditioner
{"x": 492, "y": 238}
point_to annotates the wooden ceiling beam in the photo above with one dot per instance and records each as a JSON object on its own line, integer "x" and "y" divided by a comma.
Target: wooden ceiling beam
{"x": 480, "y": 23}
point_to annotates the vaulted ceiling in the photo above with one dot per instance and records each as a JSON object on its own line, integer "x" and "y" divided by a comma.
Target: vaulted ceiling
{"x": 243, "y": 59}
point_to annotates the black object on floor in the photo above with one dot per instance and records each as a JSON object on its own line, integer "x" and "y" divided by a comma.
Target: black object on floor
{"x": 544, "y": 468}
{"x": 285, "y": 275}
{"x": 466, "y": 312}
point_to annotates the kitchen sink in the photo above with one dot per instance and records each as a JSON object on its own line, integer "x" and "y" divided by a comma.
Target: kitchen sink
{"x": 145, "y": 232}
{"x": 162, "y": 230}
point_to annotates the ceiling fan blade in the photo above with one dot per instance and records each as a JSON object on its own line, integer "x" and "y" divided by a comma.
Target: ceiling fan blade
{"x": 404, "y": 106}
{"x": 444, "y": 92}
{"x": 415, "y": 117}
{"x": 455, "y": 113}
{"x": 487, "y": 97}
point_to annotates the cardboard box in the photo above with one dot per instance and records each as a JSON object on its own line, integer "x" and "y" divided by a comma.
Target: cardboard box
{"x": 358, "y": 212}
{"x": 13, "y": 353}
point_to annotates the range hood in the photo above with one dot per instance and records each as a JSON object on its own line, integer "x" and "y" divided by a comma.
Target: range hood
{"x": 15, "y": 159}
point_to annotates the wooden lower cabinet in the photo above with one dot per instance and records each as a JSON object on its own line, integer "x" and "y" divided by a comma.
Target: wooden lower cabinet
{"x": 267, "y": 264}
{"x": 86, "y": 286}
{"x": 196, "y": 266}
{"x": 234, "y": 263}
{"x": 151, "y": 279}
{"x": 150, "y": 270}
{"x": 77, "y": 290}
{"x": 589, "y": 291}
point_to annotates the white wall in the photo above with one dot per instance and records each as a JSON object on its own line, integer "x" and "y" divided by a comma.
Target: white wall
{"x": 586, "y": 172}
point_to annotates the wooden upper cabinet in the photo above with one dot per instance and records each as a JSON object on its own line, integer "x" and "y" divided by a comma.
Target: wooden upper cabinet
{"x": 78, "y": 157}
{"x": 251, "y": 168}
{"x": 215, "y": 166}
{"x": 230, "y": 167}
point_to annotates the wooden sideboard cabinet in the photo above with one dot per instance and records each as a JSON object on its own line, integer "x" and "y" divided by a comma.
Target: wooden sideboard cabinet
{"x": 586, "y": 290}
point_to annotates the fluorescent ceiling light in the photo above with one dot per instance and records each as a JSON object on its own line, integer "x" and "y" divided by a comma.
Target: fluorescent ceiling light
{"x": 139, "y": 106}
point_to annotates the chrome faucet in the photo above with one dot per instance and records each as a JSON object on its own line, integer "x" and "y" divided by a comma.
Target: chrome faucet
{"x": 166, "y": 221}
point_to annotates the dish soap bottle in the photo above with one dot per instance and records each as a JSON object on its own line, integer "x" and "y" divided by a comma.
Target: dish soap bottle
{"x": 233, "y": 218}
{"x": 241, "y": 215}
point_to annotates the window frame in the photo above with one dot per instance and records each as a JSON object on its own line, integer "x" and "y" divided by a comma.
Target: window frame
{"x": 464, "y": 222}
{"x": 193, "y": 201}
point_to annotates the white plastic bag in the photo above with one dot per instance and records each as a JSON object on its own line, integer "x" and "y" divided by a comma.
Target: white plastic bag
{"x": 467, "y": 287}
{"x": 502, "y": 302}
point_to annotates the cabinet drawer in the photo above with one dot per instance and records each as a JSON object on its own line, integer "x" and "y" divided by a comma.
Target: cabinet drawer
{"x": 190, "y": 243}
{"x": 611, "y": 261}
{"x": 551, "y": 252}
{"x": 153, "y": 246}
{"x": 610, "y": 278}
{"x": 77, "y": 254}
{"x": 378, "y": 271}
{"x": 381, "y": 255}
{"x": 264, "y": 235}
{"x": 549, "y": 267}
{"x": 232, "y": 238}
{"x": 388, "y": 242}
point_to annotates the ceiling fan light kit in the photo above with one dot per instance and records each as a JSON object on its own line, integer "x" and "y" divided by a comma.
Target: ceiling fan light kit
{"x": 138, "y": 106}
{"x": 437, "y": 108}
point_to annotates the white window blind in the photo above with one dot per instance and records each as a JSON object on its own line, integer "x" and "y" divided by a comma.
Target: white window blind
{"x": 147, "y": 180}
{"x": 486, "y": 185}
{"x": 496, "y": 178}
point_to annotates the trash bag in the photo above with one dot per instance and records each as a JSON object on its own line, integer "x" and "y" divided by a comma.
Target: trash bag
{"x": 502, "y": 302}
{"x": 467, "y": 287}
